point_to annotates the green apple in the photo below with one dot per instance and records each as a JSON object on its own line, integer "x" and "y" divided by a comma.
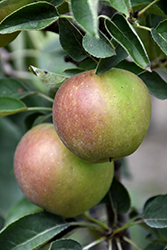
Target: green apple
{"x": 102, "y": 117}
{"x": 53, "y": 178}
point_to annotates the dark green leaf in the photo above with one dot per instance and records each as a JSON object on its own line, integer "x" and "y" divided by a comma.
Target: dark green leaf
{"x": 10, "y": 135}
{"x": 130, "y": 66}
{"x": 7, "y": 7}
{"x": 156, "y": 85}
{"x": 108, "y": 63}
{"x": 72, "y": 45}
{"x": 148, "y": 202}
{"x": 10, "y": 105}
{"x": 99, "y": 47}
{"x": 21, "y": 208}
{"x": 35, "y": 16}
{"x": 31, "y": 231}
{"x": 12, "y": 87}
{"x": 49, "y": 79}
{"x": 158, "y": 234}
{"x": 156, "y": 246}
{"x": 155, "y": 214}
{"x": 56, "y": 2}
{"x": 86, "y": 15}
{"x": 71, "y": 72}
{"x": 123, "y": 32}
{"x": 88, "y": 64}
{"x": 63, "y": 8}
{"x": 120, "y": 196}
{"x": 65, "y": 244}
{"x": 157, "y": 9}
{"x": 41, "y": 119}
{"x": 159, "y": 35}
{"x": 123, "y": 6}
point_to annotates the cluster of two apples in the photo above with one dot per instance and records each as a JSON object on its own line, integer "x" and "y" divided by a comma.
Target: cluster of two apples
{"x": 67, "y": 168}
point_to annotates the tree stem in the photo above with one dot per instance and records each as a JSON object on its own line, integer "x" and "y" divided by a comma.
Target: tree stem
{"x": 147, "y": 7}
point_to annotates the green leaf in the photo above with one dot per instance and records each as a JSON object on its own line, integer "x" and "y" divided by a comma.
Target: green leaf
{"x": 157, "y": 9}
{"x": 72, "y": 45}
{"x": 120, "y": 196}
{"x": 34, "y": 16}
{"x": 20, "y": 209}
{"x": 123, "y": 32}
{"x": 10, "y": 135}
{"x": 50, "y": 79}
{"x": 159, "y": 35}
{"x": 56, "y": 2}
{"x": 156, "y": 85}
{"x": 7, "y": 7}
{"x": 66, "y": 244}
{"x": 155, "y": 214}
{"x": 156, "y": 246}
{"x": 31, "y": 231}
{"x": 86, "y": 15}
{"x": 108, "y": 63}
{"x": 10, "y": 105}
{"x": 41, "y": 119}
{"x": 123, "y": 6}
{"x": 12, "y": 87}
{"x": 75, "y": 71}
{"x": 99, "y": 47}
{"x": 130, "y": 66}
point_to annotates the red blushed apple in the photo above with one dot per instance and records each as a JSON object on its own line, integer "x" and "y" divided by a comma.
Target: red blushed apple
{"x": 53, "y": 178}
{"x": 102, "y": 117}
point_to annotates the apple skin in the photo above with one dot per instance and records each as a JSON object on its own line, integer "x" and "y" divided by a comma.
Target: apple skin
{"x": 56, "y": 180}
{"x": 102, "y": 117}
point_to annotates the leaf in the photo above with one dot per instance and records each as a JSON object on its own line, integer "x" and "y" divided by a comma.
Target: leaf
{"x": 123, "y": 32}
{"x": 120, "y": 196}
{"x": 10, "y": 135}
{"x": 155, "y": 214}
{"x": 157, "y": 9}
{"x": 74, "y": 71}
{"x": 99, "y": 47}
{"x": 130, "y": 66}
{"x": 108, "y": 63}
{"x": 72, "y": 45}
{"x": 66, "y": 244}
{"x": 51, "y": 80}
{"x": 156, "y": 85}
{"x": 123, "y": 6}
{"x": 159, "y": 35}
{"x": 12, "y": 87}
{"x": 86, "y": 15}
{"x": 57, "y": 2}
{"x": 31, "y": 231}
{"x": 41, "y": 119}
{"x": 10, "y": 105}
{"x": 34, "y": 16}
{"x": 156, "y": 246}
{"x": 19, "y": 209}
{"x": 7, "y": 7}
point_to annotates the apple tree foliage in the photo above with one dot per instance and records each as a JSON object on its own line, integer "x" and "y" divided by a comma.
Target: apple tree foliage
{"x": 89, "y": 34}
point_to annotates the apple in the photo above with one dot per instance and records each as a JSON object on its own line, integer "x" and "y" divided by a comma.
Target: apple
{"x": 102, "y": 117}
{"x": 53, "y": 178}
